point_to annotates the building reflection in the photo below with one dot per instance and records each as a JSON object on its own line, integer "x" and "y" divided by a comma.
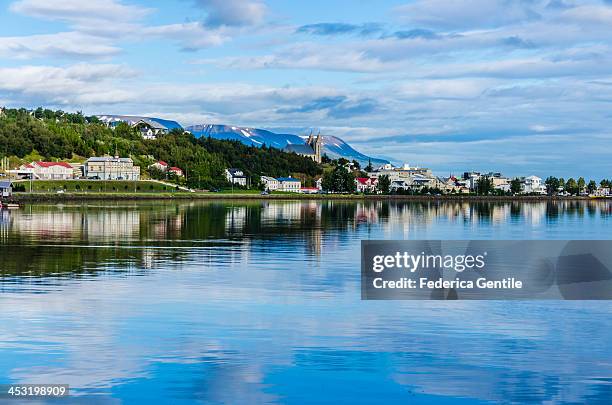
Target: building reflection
{"x": 230, "y": 231}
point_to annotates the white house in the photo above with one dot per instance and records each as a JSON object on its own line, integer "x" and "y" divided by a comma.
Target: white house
{"x": 236, "y": 176}
{"x": 6, "y": 189}
{"x": 533, "y": 184}
{"x": 161, "y": 166}
{"x": 269, "y": 183}
{"x": 176, "y": 171}
{"x": 366, "y": 184}
{"x": 46, "y": 171}
{"x": 289, "y": 184}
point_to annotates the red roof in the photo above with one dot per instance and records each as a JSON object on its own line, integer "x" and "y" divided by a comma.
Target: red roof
{"x": 175, "y": 169}
{"x": 161, "y": 162}
{"x": 51, "y": 164}
{"x": 362, "y": 180}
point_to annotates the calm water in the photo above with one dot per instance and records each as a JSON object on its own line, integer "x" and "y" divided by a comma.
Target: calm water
{"x": 259, "y": 302}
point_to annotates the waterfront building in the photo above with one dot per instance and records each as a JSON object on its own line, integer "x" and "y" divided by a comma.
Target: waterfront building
{"x": 45, "y": 171}
{"x": 236, "y": 176}
{"x": 533, "y": 184}
{"x": 366, "y": 184}
{"x": 6, "y": 188}
{"x": 402, "y": 173}
{"x": 289, "y": 184}
{"x": 111, "y": 168}
{"x": 269, "y": 183}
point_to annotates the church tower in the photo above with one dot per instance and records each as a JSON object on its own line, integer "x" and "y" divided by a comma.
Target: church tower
{"x": 318, "y": 145}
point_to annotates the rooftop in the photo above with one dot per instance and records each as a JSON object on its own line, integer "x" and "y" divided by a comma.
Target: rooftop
{"x": 109, "y": 159}
{"x": 51, "y": 164}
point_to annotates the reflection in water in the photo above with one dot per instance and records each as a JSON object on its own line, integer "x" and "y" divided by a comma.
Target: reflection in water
{"x": 259, "y": 302}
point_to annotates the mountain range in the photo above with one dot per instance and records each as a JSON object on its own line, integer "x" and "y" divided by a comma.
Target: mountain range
{"x": 333, "y": 146}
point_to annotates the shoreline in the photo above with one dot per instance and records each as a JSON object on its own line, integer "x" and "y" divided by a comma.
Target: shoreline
{"x": 75, "y": 197}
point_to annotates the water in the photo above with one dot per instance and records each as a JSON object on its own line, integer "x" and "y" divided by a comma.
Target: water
{"x": 259, "y": 302}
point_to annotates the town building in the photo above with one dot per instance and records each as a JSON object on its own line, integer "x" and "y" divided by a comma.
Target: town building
{"x": 471, "y": 179}
{"x": 269, "y": 183}
{"x": 366, "y": 184}
{"x": 160, "y": 165}
{"x": 399, "y": 174}
{"x": 149, "y": 128}
{"x": 176, "y": 171}
{"x": 45, "y": 171}
{"x": 6, "y": 188}
{"x": 319, "y": 183}
{"x": 289, "y": 184}
{"x": 533, "y": 185}
{"x": 165, "y": 168}
{"x": 111, "y": 168}
{"x": 312, "y": 148}
{"x": 236, "y": 176}
{"x": 309, "y": 190}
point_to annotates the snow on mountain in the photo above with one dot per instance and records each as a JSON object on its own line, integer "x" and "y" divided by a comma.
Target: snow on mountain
{"x": 333, "y": 146}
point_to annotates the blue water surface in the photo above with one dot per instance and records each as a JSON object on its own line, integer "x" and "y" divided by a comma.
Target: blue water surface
{"x": 259, "y": 302}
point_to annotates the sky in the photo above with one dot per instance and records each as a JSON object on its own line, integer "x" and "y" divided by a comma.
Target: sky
{"x": 518, "y": 86}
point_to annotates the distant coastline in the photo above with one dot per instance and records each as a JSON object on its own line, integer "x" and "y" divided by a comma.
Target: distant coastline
{"x": 75, "y": 197}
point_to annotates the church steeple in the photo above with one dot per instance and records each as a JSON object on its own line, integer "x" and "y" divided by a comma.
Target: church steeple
{"x": 316, "y": 144}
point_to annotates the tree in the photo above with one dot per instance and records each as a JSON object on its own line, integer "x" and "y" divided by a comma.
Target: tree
{"x": 342, "y": 161}
{"x": 484, "y": 185}
{"x": 339, "y": 180}
{"x": 356, "y": 165}
{"x": 552, "y": 185}
{"x": 384, "y": 184}
{"x": 562, "y": 183}
{"x": 516, "y": 185}
{"x": 369, "y": 167}
{"x": 581, "y": 184}
{"x": 592, "y": 186}
{"x": 571, "y": 186}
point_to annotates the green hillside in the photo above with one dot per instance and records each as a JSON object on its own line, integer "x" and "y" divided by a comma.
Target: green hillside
{"x": 57, "y": 135}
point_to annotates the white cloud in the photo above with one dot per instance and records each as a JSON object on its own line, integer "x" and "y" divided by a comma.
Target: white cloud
{"x": 80, "y": 12}
{"x": 98, "y": 26}
{"x": 63, "y": 44}
{"x": 304, "y": 56}
{"x": 77, "y": 84}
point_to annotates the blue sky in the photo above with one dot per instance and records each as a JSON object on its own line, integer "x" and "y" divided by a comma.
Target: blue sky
{"x": 520, "y": 86}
